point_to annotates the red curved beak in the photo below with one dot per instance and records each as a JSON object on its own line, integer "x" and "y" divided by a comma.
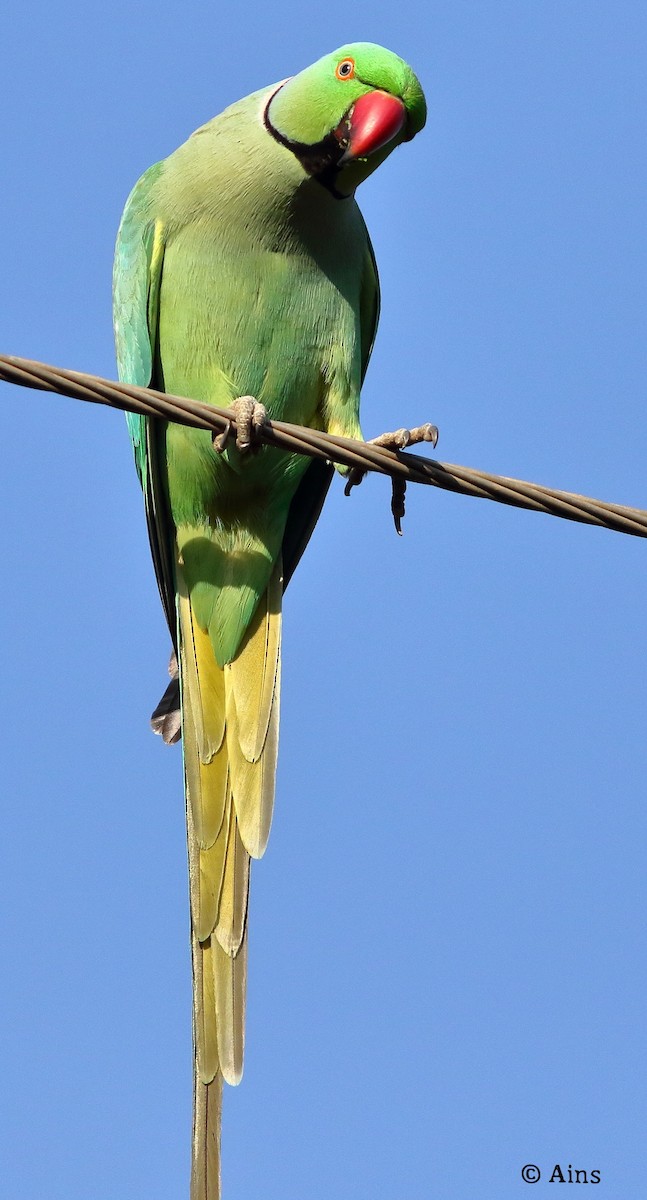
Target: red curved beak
{"x": 375, "y": 119}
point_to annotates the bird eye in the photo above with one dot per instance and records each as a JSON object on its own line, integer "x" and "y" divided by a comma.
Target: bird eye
{"x": 345, "y": 69}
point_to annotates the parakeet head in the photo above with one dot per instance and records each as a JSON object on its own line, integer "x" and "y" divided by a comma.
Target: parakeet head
{"x": 342, "y": 116}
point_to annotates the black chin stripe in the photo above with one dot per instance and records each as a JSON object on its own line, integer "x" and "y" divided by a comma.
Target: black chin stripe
{"x": 321, "y": 159}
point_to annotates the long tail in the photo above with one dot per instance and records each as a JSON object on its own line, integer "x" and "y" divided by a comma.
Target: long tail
{"x": 230, "y": 721}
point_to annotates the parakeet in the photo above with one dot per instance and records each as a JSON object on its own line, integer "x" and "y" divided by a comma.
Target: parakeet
{"x": 244, "y": 268}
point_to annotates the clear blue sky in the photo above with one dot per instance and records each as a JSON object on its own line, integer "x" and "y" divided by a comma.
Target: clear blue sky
{"x": 447, "y": 952}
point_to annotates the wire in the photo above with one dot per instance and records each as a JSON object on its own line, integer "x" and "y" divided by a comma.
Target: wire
{"x": 402, "y": 466}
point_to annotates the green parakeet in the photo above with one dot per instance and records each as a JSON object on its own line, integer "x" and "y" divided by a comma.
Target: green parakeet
{"x": 244, "y": 269}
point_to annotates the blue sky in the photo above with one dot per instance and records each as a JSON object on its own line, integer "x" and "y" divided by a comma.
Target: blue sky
{"x": 447, "y": 953}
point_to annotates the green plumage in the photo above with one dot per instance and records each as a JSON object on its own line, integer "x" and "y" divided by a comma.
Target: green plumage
{"x": 243, "y": 268}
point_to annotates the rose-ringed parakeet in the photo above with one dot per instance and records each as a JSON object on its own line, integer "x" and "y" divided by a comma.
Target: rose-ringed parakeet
{"x": 244, "y": 269}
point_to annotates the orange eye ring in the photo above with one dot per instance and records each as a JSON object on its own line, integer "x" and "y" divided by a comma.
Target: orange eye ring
{"x": 345, "y": 69}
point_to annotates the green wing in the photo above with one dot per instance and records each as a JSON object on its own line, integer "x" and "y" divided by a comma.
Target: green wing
{"x": 311, "y": 493}
{"x": 139, "y": 258}
{"x": 137, "y": 276}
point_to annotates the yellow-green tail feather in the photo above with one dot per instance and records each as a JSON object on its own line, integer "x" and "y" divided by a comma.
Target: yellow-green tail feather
{"x": 230, "y": 719}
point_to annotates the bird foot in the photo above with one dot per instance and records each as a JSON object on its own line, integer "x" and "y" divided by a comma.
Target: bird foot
{"x": 398, "y": 440}
{"x": 250, "y": 417}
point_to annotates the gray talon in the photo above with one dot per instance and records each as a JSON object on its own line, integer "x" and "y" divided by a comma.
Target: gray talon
{"x": 429, "y": 434}
{"x": 220, "y": 439}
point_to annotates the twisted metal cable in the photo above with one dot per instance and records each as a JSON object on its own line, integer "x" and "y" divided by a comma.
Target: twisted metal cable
{"x": 403, "y": 466}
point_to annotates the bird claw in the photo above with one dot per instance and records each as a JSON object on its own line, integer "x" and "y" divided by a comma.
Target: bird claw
{"x": 398, "y": 440}
{"x": 407, "y": 437}
{"x": 250, "y": 417}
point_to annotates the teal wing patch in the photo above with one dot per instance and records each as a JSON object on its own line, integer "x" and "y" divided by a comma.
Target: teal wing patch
{"x": 135, "y": 299}
{"x": 139, "y": 258}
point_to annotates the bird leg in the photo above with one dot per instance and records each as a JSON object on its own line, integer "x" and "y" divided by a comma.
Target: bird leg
{"x": 250, "y": 417}
{"x": 166, "y": 720}
{"x": 395, "y": 441}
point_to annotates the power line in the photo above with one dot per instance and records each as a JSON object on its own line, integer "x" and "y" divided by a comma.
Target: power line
{"x": 402, "y": 466}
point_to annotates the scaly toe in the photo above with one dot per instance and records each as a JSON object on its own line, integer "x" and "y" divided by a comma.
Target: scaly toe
{"x": 250, "y": 417}
{"x": 393, "y": 441}
{"x": 220, "y": 439}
